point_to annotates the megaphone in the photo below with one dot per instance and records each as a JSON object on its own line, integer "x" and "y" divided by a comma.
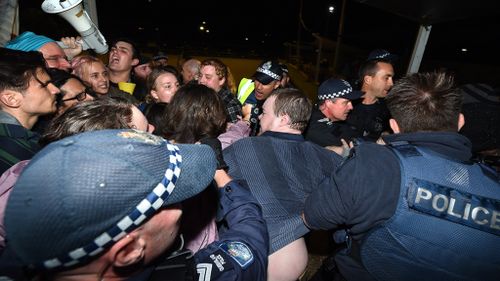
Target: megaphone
{"x": 73, "y": 12}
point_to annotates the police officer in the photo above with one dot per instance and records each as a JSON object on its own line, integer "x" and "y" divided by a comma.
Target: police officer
{"x": 267, "y": 78}
{"x": 327, "y": 126}
{"x": 416, "y": 208}
{"x": 107, "y": 205}
{"x": 370, "y": 116}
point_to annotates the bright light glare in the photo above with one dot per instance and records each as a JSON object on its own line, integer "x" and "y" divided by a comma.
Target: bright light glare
{"x": 202, "y": 27}
{"x": 464, "y": 50}
{"x": 331, "y": 9}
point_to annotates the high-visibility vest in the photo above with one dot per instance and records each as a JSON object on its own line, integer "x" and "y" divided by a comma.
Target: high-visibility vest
{"x": 245, "y": 88}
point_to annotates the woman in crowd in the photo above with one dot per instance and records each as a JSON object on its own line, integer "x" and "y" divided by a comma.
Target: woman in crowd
{"x": 196, "y": 114}
{"x": 162, "y": 84}
{"x": 95, "y": 74}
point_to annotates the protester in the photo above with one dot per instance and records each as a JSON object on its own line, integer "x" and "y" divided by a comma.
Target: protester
{"x": 96, "y": 75}
{"x": 123, "y": 57}
{"x": 54, "y": 55}
{"x": 26, "y": 93}
{"x": 281, "y": 169}
{"x": 73, "y": 89}
{"x": 197, "y": 114}
{"x": 216, "y": 75}
{"x": 190, "y": 71}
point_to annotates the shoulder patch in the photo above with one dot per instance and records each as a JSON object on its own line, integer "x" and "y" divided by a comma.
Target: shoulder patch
{"x": 239, "y": 252}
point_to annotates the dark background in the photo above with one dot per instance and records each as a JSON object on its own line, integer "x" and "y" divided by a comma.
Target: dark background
{"x": 263, "y": 28}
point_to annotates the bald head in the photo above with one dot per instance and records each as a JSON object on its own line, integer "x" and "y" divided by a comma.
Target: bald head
{"x": 190, "y": 70}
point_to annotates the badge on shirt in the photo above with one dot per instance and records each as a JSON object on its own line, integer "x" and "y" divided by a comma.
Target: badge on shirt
{"x": 240, "y": 252}
{"x": 213, "y": 266}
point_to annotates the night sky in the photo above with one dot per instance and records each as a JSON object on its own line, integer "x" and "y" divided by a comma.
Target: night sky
{"x": 262, "y": 27}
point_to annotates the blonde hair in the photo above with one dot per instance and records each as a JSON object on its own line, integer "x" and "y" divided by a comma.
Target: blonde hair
{"x": 81, "y": 65}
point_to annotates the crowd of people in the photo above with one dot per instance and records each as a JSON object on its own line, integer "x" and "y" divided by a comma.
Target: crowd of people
{"x": 134, "y": 169}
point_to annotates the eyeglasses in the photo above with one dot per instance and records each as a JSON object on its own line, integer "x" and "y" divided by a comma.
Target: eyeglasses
{"x": 80, "y": 97}
{"x": 56, "y": 58}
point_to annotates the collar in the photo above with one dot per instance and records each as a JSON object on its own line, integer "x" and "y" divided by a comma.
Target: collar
{"x": 285, "y": 136}
{"x": 17, "y": 131}
{"x": 449, "y": 144}
{"x": 7, "y": 118}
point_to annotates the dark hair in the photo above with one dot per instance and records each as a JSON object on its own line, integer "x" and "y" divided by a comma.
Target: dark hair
{"x": 425, "y": 102}
{"x": 89, "y": 116}
{"x": 18, "y": 67}
{"x": 136, "y": 54}
{"x": 295, "y": 104}
{"x": 156, "y": 113}
{"x": 369, "y": 68}
{"x": 60, "y": 77}
{"x": 195, "y": 112}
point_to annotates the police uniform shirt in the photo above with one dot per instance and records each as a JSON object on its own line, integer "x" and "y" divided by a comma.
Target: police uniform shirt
{"x": 324, "y": 132}
{"x": 370, "y": 120}
{"x": 371, "y": 177}
{"x": 239, "y": 254}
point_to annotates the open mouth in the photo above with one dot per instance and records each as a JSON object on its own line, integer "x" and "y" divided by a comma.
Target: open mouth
{"x": 114, "y": 59}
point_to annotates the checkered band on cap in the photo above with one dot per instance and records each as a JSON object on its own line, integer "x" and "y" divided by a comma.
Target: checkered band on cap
{"x": 381, "y": 56}
{"x": 269, "y": 73}
{"x": 144, "y": 210}
{"x": 336, "y": 94}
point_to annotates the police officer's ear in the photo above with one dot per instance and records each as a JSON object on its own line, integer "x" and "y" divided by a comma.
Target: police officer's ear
{"x": 394, "y": 126}
{"x": 367, "y": 79}
{"x": 128, "y": 251}
{"x": 461, "y": 121}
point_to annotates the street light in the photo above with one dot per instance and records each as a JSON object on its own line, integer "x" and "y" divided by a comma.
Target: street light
{"x": 331, "y": 10}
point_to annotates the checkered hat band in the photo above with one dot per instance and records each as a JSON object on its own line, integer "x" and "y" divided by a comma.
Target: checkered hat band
{"x": 145, "y": 209}
{"x": 335, "y": 94}
{"x": 382, "y": 56}
{"x": 269, "y": 73}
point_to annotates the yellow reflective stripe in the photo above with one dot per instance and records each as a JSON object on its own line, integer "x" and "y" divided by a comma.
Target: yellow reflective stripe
{"x": 245, "y": 88}
{"x": 242, "y": 83}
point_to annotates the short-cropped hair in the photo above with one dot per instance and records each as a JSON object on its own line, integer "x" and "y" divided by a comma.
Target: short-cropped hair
{"x": 295, "y": 104}
{"x": 425, "y": 102}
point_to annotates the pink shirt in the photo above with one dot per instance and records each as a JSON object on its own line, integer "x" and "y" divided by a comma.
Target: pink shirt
{"x": 7, "y": 181}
